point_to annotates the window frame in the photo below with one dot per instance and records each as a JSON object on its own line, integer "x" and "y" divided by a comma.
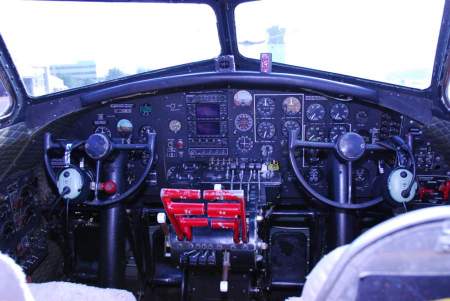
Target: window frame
{"x": 13, "y": 101}
{"x": 445, "y": 97}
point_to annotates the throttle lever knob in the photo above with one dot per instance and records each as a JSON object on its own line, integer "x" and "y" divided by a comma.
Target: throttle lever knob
{"x": 110, "y": 187}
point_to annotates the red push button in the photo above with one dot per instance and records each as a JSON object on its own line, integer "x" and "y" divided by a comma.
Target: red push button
{"x": 109, "y": 187}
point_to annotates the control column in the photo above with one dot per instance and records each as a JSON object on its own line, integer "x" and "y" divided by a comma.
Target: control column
{"x": 112, "y": 229}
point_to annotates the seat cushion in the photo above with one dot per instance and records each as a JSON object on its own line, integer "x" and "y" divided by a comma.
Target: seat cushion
{"x": 67, "y": 291}
{"x": 13, "y": 287}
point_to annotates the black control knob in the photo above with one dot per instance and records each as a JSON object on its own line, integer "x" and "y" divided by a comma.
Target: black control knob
{"x": 98, "y": 146}
{"x": 350, "y": 146}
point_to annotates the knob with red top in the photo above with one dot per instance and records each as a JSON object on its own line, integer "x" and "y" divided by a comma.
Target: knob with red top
{"x": 109, "y": 187}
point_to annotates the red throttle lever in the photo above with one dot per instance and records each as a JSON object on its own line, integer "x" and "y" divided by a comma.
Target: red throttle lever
{"x": 445, "y": 190}
{"x": 228, "y": 210}
{"x": 183, "y": 226}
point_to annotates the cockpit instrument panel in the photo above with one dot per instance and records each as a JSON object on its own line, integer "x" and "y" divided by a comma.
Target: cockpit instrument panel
{"x": 239, "y": 136}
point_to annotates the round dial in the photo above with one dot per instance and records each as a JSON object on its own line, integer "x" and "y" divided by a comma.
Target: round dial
{"x": 315, "y": 133}
{"x": 143, "y": 133}
{"x": 291, "y": 105}
{"x": 124, "y": 127}
{"x": 243, "y": 98}
{"x": 175, "y": 126}
{"x": 361, "y": 175}
{"x": 266, "y": 150}
{"x": 103, "y": 130}
{"x": 243, "y": 122}
{"x": 337, "y": 131}
{"x": 362, "y": 117}
{"x": 265, "y": 106}
{"x": 244, "y": 144}
{"x": 266, "y": 130}
{"x": 314, "y": 175}
{"x": 289, "y": 126}
{"x": 339, "y": 112}
{"x": 315, "y": 112}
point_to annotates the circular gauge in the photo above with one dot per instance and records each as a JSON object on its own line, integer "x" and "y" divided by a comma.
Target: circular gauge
{"x": 289, "y": 126}
{"x": 266, "y": 150}
{"x": 291, "y": 106}
{"x": 361, "y": 175}
{"x": 144, "y": 131}
{"x": 314, "y": 175}
{"x": 315, "y": 112}
{"x": 243, "y": 98}
{"x": 315, "y": 133}
{"x": 362, "y": 117}
{"x": 175, "y": 126}
{"x": 243, "y": 122}
{"x": 337, "y": 131}
{"x": 244, "y": 144}
{"x": 124, "y": 127}
{"x": 265, "y": 106}
{"x": 266, "y": 130}
{"x": 339, "y": 112}
{"x": 103, "y": 130}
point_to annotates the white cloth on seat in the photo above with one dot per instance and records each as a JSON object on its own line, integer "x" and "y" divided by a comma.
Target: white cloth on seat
{"x": 66, "y": 291}
{"x": 13, "y": 287}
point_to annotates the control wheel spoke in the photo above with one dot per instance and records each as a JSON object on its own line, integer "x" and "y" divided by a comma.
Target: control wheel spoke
{"x": 349, "y": 181}
{"x": 98, "y": 166}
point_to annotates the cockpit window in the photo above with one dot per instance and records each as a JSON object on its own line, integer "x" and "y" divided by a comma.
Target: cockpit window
{"x": 6, "y": 101}
{"x": 63, "y": 45}
{"x": 387, "y": 41}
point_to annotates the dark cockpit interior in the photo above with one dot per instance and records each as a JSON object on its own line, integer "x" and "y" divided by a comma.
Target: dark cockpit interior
{"x": 224, "y": 179}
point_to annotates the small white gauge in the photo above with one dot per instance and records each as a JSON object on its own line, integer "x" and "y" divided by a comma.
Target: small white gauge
{"x": 243, "y": 122}
{"x": 315, "y": 112}
{"x": 243, "y": 98}
{"x": 291, "y": 105}
{"x": 265, "y": 106}
{"x": 362, "y": 117}
{"x": 315, "y": 133}
{"x": 175, "y": 126}
{"x": 339, "y": 111}
{"x": 244, "y": 144}
{"x": 289, "y": 126}
{"x": 266, "y": 150}
{"x": 266, "y": 130}
{"x": 124, "y": 126}
{"x": 336, "y": 131}
{"x": 103, "y": 130}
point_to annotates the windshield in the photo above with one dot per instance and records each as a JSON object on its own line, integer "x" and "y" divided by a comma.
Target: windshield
{"x": 387, "y": 41}
{"x": 62, "y": 45}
